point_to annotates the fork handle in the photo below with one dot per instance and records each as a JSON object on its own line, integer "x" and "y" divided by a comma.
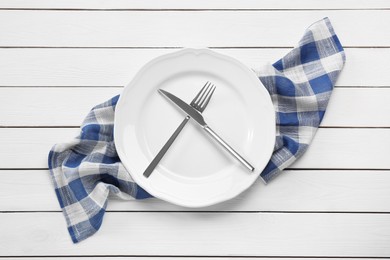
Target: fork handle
{"x": 164, "y": 149}
{"x": 229, "y": 148}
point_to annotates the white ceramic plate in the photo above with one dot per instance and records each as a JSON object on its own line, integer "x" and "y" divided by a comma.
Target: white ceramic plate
{"x": 195, "y": 172}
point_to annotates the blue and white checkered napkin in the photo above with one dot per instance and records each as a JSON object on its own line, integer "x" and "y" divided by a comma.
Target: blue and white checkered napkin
{"x": 87, "y": 169}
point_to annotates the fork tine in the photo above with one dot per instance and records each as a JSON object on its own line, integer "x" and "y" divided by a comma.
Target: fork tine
{"x": 197, "y": 102}
{"x": 207, "y": 91}
{"x": 199, "y": 93}
{"x": 207, "y": 100}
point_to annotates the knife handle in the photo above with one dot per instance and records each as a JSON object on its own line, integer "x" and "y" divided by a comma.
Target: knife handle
{"x": 229, "y": 148}
{"x": 165, "y": 148}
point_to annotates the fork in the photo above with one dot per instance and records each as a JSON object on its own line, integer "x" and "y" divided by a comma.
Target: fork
{"x": 200, "y": 103}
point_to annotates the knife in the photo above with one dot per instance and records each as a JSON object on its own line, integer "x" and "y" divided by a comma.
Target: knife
{"x": 197, "y": 117}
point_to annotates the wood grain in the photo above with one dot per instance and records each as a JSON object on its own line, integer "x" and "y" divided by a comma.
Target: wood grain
{"x": 331, "y": 149}
{"x": 50, "y": 106}
{"x": 202, "y": 234}
{"x": 192, "y": 28}
{"x": 196, "y": 4}
{"x": 334, "y": 202}
{"x": 116, "y": 67}
{"x": 348, "y": 107}
{"x": 176, "y": 258}
{"x": 292, "y": 191}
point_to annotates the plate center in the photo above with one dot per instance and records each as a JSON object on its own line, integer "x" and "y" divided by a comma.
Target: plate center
{"x": 194, "y": 154}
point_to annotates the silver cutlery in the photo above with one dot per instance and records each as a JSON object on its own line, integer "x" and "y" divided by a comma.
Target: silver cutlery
{"x": 194, "y": 114}
{"x": 200, "y": 103}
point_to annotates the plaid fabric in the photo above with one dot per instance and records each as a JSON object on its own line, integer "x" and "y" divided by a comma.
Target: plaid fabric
{"x": 86, "y": 170}
{"x": 300, "y": 85}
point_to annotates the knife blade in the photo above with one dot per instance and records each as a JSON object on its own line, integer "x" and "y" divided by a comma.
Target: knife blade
{"x": 197, "y": 117}
{"x": 189, "y": 110}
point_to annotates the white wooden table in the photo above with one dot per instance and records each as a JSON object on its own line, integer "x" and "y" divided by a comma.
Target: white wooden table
{"x": 60, "y": 58}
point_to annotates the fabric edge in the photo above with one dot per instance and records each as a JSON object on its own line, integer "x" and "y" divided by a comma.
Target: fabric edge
{"x": 59, "y": 199}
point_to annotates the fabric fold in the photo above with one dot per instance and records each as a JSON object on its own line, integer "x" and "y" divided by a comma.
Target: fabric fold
{"x": 87, "y": 170}
{"x": 300, "y": 85}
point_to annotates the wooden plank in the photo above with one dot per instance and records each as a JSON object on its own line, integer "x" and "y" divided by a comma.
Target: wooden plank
{"x": 28, "y": 148}
{"x": 293, "y": 191}
{"x": 357, "y": 107}
{"x": 50, "y": 106}
{"x": 347, "y": 149}
{"x": 116, "y": 67}
{"x": 336, "y": 148}
{"x": 192, "y": 28}
{"x": 99, "y": 67}
{"x": 202, "y": 234}
{"x": 196, "y": 4}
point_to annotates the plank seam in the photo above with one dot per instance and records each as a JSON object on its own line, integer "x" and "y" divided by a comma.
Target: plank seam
{"x": 114, "y": 86}
{"x": 77, "y": 126}
{"x": 177, "y": 47}
{"x": 286, "y": 169}
{"x": 199, "y": 256}
{"x": 212, "y": 212}
{"x": 190, "y": 10}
